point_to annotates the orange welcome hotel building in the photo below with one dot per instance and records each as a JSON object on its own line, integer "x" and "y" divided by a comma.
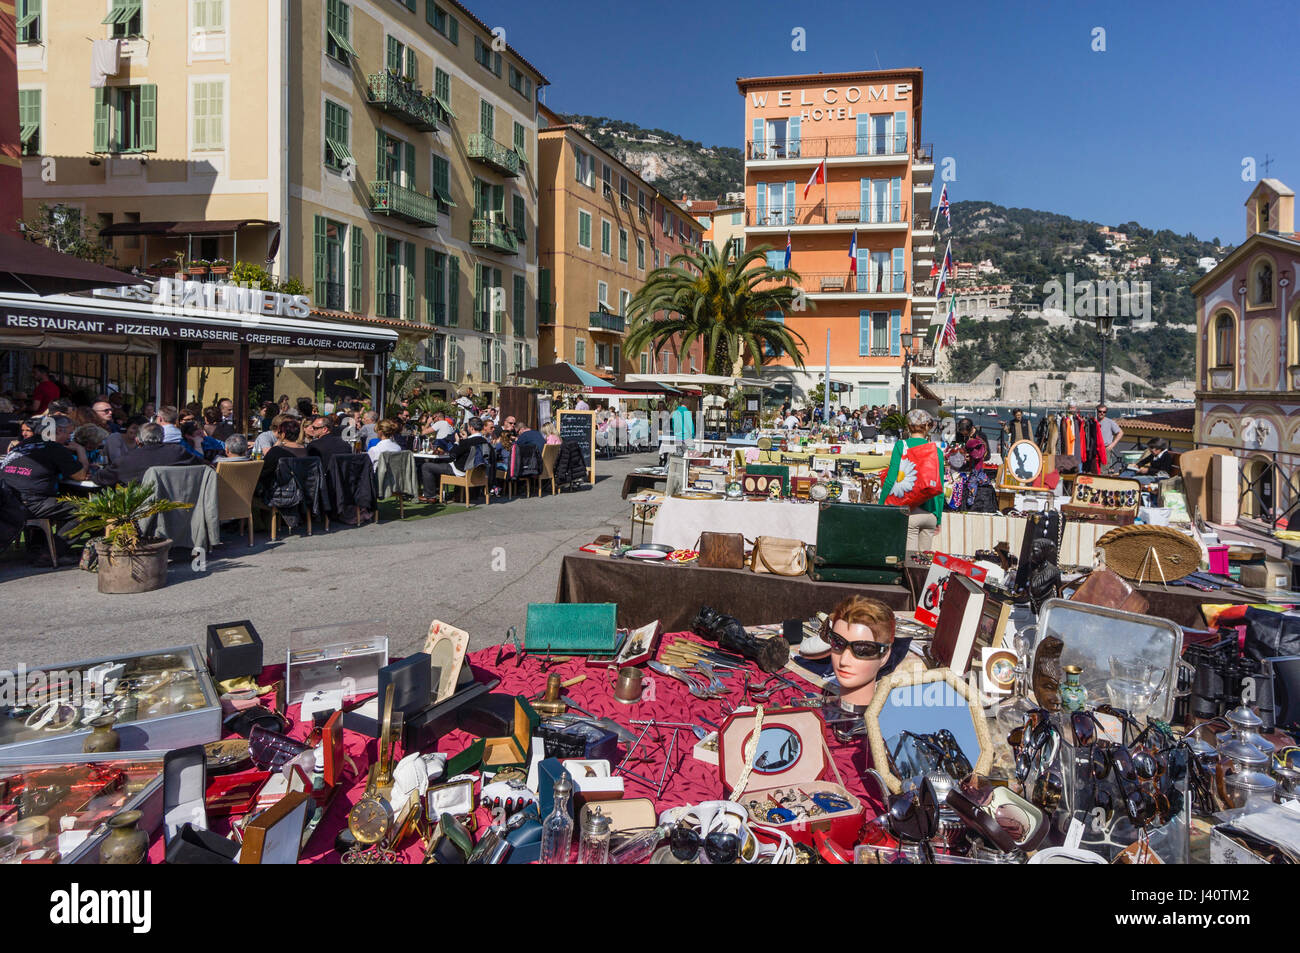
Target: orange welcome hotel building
{"x": 866, "y": 126}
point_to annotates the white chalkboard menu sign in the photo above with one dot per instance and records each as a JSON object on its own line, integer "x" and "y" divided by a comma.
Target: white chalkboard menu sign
{"x": 579, "y": 426}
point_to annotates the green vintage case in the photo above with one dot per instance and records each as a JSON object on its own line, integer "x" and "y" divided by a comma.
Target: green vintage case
{"x": 872, "y": 577}
{"x": 865, "y": 535}
{"x": 571, "y": 628}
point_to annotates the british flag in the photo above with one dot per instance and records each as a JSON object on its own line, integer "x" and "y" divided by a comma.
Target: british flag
{"x": 943, "y": 207}
{"x": 949, "y": 335}
{"x": 945, "y": 271}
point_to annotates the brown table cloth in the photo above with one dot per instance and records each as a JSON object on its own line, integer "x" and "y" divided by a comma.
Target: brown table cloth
{"x": 673, "y": 593}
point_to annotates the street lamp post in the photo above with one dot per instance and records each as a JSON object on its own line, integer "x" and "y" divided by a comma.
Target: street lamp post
{"x": 905, "y": 340}
{"x": 1103, "y": 327}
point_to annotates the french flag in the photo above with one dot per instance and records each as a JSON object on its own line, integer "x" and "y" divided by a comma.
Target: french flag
{"x": 818, "y": 177}
{"x": 787, "y": 250}
{"x": 853, "y": 253}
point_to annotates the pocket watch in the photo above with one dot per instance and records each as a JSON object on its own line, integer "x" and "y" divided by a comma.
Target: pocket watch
{"x": 370, "y": 819}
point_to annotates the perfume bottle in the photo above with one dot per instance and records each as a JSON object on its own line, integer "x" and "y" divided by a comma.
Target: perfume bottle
{"x": 593, "y": 847}
{"x": 557, "y": 829}
{"x": 1074, "y": 697}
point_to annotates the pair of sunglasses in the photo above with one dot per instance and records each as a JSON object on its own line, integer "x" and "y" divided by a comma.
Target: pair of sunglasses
{"x": 861, "y": 649}
{"x": 720, "y": 847}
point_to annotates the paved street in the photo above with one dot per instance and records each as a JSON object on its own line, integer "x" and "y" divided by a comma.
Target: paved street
{"x": 404, "y": 574}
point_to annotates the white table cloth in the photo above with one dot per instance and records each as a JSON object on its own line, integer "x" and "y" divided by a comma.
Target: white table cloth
{"x": 679, "y": 522}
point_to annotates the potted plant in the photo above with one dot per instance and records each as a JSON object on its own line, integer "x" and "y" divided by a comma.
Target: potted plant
{"x": 220, "y": 266}
{"x": 128, "y": 560}
{"x": 199, "y": 267}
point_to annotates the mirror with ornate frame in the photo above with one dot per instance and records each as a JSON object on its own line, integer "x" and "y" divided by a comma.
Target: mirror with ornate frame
{"x": 912, "y": 703}
{"x": 446, "y": 646}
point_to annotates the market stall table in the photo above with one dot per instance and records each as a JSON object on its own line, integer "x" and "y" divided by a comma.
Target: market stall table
{"x": 673, "y": 593}
{"x": 685, "y": 780}
{"x": 680, "y": 521}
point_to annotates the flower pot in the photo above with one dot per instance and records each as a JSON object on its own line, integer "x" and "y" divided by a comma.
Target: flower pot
{"x": 220, "y": 270}
{"x": 198, "y": 270}
{"x": 125, "y": 843}
{"x": 144, "y": 570}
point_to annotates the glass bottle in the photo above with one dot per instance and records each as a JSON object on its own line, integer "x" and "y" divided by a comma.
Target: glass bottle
{"x": 638, "y": 849}
{"x": 557, "y": 829}
{"x": 1074, "y": 697}
{"x": 593, "y": 848}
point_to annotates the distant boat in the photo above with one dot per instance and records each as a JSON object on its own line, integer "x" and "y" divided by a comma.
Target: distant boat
{"x": 964, "y": 410}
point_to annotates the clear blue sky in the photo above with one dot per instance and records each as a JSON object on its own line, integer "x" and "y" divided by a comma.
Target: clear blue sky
{"x": 1154, "y": 129}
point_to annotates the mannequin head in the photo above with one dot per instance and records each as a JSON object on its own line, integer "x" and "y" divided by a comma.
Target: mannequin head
{"x": 857, "y": 619}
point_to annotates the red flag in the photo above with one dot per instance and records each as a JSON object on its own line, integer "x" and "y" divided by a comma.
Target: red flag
{"x": 853, "y": 253}
{"x": 818, "y": 177}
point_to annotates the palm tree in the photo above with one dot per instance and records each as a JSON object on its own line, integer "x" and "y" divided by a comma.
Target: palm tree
{"x": 722, "y": 303}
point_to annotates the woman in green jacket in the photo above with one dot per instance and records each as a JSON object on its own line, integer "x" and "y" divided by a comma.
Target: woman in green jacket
{"x": 925, "y": 517}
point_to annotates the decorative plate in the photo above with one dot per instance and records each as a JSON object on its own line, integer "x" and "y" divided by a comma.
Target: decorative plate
{"x": 683, "y": 556}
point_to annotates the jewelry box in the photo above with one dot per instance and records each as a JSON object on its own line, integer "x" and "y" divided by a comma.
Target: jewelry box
{"x": 159, "y": 700}
{"x": 75, "y": 795}
{"x": 791, "y": 756}
{"x": 234, "y": 650}
{"x": 346, "y": 656}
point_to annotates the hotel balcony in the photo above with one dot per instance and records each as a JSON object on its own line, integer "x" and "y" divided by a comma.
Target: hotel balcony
{"x": 389, "y": 198}
{"x": 870, "y": 216}
{"x": 604, "y": 321}
{"x": 496, "y": 236}
{"x": 870, "y": 149}
{"x": 493, "y": 154}
{"x": 843, "y": 284}
{"x": 923, "y": 164}
{"x": 398, "y": 97}
{"x": 923, "y": 227}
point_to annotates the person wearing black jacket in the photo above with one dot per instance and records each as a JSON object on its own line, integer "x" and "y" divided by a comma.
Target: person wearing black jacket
{"x": 1017, "y": 428}
{"x": 463, "y": 457}
{"x": 151, "y": 452}
{"x": 324, "y": 444}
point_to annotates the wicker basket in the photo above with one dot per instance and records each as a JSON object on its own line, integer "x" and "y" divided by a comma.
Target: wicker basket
{"x": 1133, "y": 551}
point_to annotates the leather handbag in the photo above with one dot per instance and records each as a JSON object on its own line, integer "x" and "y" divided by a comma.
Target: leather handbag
{"x": 721, "y": 550}
{"x": 783, "y": 557}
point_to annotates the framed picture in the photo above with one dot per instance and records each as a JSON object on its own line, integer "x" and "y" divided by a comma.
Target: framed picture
{"x": 1023, "y": 467}
{"x": 997, "y": 671}
{"x": 993, "y": 620}
{"x": 275, "y": 835}
{"x": 446, "y": 646}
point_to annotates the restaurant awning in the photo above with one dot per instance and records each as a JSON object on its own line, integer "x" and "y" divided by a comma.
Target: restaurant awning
{"x": 697, "y": 380}
{"x": 564, "y": 374}
{"x": 29, "y": 268}
{"x": 182, "y": 229}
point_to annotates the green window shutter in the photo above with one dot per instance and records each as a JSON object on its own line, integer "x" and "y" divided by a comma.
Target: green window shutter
{"x": 478, "y": 298}
{"x": 453, "y": 291}
{"x": 29, "y": 120}
{"x": 358, "y": 266}
{"x": 149, "y": 118}
{"x": 320, "y": 270}
{"x": 410, "y": 165}
{"x": 442, "y": 180}
{"x": 499, "y": 198}
{"x": 520, "y": 302}
{"x": 393, "y": 60}
{"x": 410, "y": 282}
{"x": 381, "y": 274}
{"x": 442, "y": 86}
{"x": 895, "y": 325}
{"x": 428, "y": 285}
{"x": 410, "y": 5}
{"x": 485, "y": 118}
{"x": 381, "y": 156}
{"x": 521, "y": 141}
{"x": 412, "y": 66}
{"x": 453, "y": 29}
{"x": 520, "y": 219}
{"x": 103, "y": 115}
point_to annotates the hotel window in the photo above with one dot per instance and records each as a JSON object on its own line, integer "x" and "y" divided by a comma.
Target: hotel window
{"x": 584, "y": 168}
{"x": 622, "y": 191}
{"x": 1225, "y": 339}
{"x": 584, "y": 229}
{"x": 455, "y": 361}
{"x": 624, "y": 299}
{"x": 645, "y": 363}
{"x": 395, "y": 161}
{"x": 519, "y": 304}
{"x": 388, "y": 276}
{"x": 498, "y": 361}
{"x": 208, "y": 16}
{"x": 519, "y": 357}
{"x": 775, "y": 203}
{"x": 771, "y": 353}
{"x": 435, "y": 287}
{"x": 602, "y": 296}
{"x": 401, "y": 60}
{"x": 520, "y": 83}
{"x": 736, "y": 217}
{"x": 330, "y": 272}
{"x": 602, "y": 354}
{"x": 338, "y": 31}
{"x": 29, "y": 21}
{"x": 126, "y": 119}
{"x": 208, "y": 107}
{"x": 486, "y": 282}
{"x": 775, "y": 260}
{"x": 622, "y": 244}
{"x": 29, "y": 121}
{"x": 640, "y": 253}
{"x": 521, "y": 142}
{"x": 605, "y": 178}
{"x": 580, "y": 352}
{"x": 873, "y": 333}
{"x": 487, "y": 119}
{"x": 606, "y": 231}
{"x": 442, "y": 21}
{"x": 442, "y": 94}
{"x": 337, "y": 121}
{"x": 126, "y": 19}
{"x": 880, "y": 200}
{"x": 486, "y": 57}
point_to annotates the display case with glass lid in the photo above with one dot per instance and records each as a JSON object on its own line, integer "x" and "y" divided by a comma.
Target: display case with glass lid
{"x": 158, "y": 700}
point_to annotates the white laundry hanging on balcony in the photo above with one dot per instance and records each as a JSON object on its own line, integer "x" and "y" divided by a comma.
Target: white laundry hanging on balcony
{"x": 105, "y": 61}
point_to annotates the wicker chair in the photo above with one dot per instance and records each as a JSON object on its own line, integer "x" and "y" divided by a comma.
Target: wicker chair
{"x": 236, "y": 486}
{"x": 550, "y": 453}
{"x": 474, "y": 478}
